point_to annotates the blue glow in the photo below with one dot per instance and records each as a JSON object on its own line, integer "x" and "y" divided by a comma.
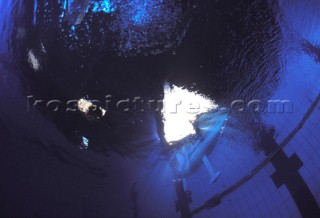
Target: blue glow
{"x": 104, "y": 6}
{"x": 69, "y": 9}
{"x": 6, "y": 24}
{"x": 139, "y": 26}
{"x": 85, "y": 143}
{"x": 140, "y": 14}
{"x": 65, "y": 3}
{"x": 35, "y": 12}
{"x": 138, "y": 11}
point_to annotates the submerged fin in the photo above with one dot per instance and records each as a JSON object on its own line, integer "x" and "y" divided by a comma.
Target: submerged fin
{"x": 214, "y": 175}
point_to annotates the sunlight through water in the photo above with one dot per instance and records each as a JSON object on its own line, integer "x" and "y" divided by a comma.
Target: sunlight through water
{"x": 181, "y": 109}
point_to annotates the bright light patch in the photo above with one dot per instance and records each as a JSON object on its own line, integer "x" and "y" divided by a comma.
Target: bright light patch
{"x": 90, "y": 109}
{"x": 181, "y": 108}
{"x": 84, "y": 105}
{"x": 85, "y": 143}
{"x": 104, "y": 6}
{"x": 34, "y": 62}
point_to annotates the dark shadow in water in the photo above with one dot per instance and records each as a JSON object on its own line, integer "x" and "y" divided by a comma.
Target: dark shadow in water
{"x": 313, "y": 50}
{"x": 134, "y": 197}
{"x": 227, "y": 54}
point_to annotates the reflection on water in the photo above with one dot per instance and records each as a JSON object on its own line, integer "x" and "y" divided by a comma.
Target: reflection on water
{"x": 235, "y": 62}
{"x": 127, "y": 27}
{"x": 70, "y": 49}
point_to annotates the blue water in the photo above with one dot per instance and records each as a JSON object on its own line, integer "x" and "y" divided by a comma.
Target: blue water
{"x": 90, "y": 40}
{"x": 137, "y": 26}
